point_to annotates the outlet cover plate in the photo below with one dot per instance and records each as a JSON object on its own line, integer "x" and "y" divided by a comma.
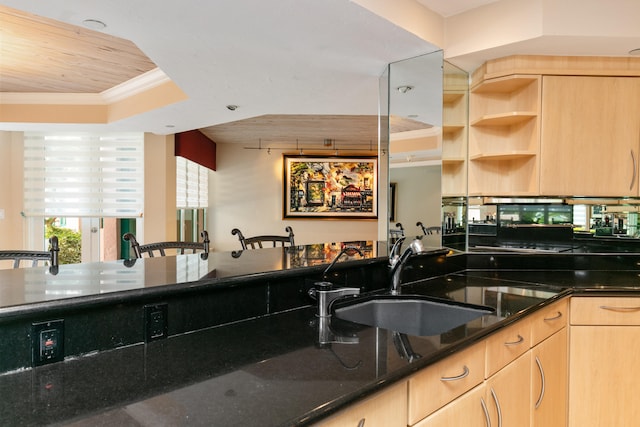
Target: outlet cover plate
{"x": 156, "y": 325}
{"x": 47, "y": 342}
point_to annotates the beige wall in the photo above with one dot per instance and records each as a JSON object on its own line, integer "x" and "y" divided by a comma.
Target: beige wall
{"x": 13, "y": 224}
{"x": 159, "y": 189}
{"x": 246, "y": 192}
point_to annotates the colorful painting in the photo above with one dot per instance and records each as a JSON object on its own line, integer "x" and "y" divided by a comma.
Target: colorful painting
{"x": 330, "y": 187}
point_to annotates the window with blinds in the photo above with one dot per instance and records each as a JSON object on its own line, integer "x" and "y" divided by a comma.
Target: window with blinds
{"x": 84, "y": 174}
{"x": 192, "y": 184}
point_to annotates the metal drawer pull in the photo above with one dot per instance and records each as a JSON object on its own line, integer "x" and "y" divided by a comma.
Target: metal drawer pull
{"x": 495, "y": 399}
{"x": 542, "y": 382}
{"x": 556, "y": 317}
{"x": 520, "y": 341}
{"x": 633, "y": 177}
{"x": 464, "y": 374}
{"x": 361, "y": 423}
{"x": 611, "y": 308}
{"x": 487, "y": 419}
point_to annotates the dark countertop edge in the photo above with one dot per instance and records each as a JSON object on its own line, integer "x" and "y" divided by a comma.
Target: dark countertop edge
{"x": 16, "y": 312}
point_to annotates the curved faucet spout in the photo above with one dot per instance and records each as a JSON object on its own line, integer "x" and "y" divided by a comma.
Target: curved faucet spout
{"x": 342, "y": 252}
{"x": 398, "y": 262}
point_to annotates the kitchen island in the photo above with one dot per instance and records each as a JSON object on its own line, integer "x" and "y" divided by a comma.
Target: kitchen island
{"x": 244, "y": 344}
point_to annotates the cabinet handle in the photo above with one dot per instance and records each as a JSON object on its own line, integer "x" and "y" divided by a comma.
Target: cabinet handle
{"x": 519, "y": 341}
{"x": 464, "y": 374}
{"x": 542, "y": 382}
{"x": 495, "y": 399}
{"x": 627, "y": 309}
{"x": 361, "y": 423}
{"x": 487, "y": 419}
{"x": 633, "y": 177}
{"x": 556, "y": 317}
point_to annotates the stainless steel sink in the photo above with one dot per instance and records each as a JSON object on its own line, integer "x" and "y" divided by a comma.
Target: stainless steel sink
{"x": 410, "y": 314}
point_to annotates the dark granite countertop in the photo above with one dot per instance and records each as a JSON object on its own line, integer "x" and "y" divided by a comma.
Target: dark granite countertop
{"x": 268, "y": 370}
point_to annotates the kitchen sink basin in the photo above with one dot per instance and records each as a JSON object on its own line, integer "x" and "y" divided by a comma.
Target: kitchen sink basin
{"x": 410, "y": 314}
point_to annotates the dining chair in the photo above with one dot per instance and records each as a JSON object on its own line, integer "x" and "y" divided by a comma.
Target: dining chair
{"x": 49, "y": 257}
{"x": 160, "y": 248}
{"x": 258, "y": 242}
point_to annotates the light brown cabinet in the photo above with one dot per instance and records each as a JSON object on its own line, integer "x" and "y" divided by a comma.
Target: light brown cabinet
{"x": 549, "y": 379}
{"x": 387, "y": 408}
{"x": 604, "y": 346}
{"x": 439, "y": 384}
{"x": 590, "y": 142}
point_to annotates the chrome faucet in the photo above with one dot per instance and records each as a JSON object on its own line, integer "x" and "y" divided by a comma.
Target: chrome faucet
{"x": 323, "y": 290}
{"x": 397, "y": 262}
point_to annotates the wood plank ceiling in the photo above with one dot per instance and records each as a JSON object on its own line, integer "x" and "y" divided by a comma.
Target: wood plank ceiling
{"x": 44, "y": 55}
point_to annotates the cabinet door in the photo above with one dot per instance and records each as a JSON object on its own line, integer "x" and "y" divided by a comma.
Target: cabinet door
{"x": 549, "y": 378}
{"x": 469, "y": 410}
{"x": 590, "y": 136}
{"x": 603, "y": 376}
{"x": 508, "y": 394}
{"x": 387, "y": 408}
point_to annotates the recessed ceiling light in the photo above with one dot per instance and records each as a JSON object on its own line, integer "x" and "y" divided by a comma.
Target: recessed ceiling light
{"x": 170, "y": 126}
{"x": 94, "y": 24}
{"x": 232, "y": 107}
{"x": 635, "y": 52}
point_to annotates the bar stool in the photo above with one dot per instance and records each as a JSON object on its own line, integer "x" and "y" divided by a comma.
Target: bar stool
{"x": 44, "y": 257}
{"x": 160, "y": 247}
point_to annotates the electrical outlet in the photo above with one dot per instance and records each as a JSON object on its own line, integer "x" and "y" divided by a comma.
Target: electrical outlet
{"x": 156, "y": 325}
{"x": 47, "y": 342}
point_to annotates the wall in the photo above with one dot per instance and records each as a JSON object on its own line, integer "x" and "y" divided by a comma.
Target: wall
{"x": 12, "y": 225}
{"x": 418, "y": 199}
{"x": 246, "y": 192}
{"x": 160, "y": 218}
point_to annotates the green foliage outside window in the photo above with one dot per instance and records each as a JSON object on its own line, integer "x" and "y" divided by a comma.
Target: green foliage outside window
{"x": 69, "y": 241}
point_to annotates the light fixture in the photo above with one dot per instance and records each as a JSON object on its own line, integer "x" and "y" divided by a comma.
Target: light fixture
{"x": 94, "y": 24}
{"x": 232, "y": 107}
{"x": 404, "y": 89}
{"x": 635, "y": 52}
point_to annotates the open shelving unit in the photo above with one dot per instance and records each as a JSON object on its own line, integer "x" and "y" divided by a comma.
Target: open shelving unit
{"x": 504, "y": 136}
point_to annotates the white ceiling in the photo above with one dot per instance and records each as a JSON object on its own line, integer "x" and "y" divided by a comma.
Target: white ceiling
{"x": 266, "y": 57}
{"x": 310, "y": 57}
{"x": 453, "y": 7}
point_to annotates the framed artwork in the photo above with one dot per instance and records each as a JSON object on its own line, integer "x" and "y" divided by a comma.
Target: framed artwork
{"x": 330, "y": 187}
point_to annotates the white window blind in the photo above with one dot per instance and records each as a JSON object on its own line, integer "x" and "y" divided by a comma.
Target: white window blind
{"x": 83, "y": 174}
{"x": 192, "y": 184}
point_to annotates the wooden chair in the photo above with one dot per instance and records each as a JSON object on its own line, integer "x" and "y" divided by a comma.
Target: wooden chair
{"x": 161, "y": 247}
{"x": 257, "y": 242}
{"x": 44, "y": 257}
{"x": 428, "y": 230}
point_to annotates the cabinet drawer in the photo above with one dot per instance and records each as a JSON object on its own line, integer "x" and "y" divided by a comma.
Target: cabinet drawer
{"x": 507, "y": 344}
{"x": 387, "y": 408}
{"x": 605, "y": 311}
{"x": 549, "y": 320}
{"x": 437, "y": 385}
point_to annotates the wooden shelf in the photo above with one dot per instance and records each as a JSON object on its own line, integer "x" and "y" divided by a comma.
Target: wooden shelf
{"x": 453, "y": 160}
{"x": 512, "y": 155}
{"x": 504, "y": 119}
{"x": 451, "y": 97}
{"x": 446, "y": 129}
{"x": 504, "y": 84}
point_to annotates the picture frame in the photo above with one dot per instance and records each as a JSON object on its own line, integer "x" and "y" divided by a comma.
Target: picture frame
{"x": 327, "y": 187}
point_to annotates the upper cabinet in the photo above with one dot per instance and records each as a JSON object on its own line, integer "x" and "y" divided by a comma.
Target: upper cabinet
{"x": 454, "y": 131}
{"x": 555, "y": 126}
{"x": 504, "y": 136}
{"x": 590, "y": 136}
